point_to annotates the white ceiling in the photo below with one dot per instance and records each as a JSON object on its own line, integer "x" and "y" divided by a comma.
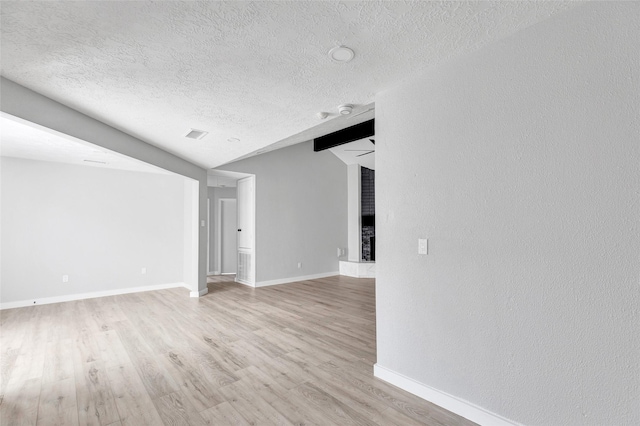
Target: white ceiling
{"x": 21, "y": 139}
{"x": 255, "y": 71}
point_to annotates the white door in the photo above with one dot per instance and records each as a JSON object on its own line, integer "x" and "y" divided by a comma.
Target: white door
{"x": 245, "y": 213}
{"x": 246, "y": 230}
{"x": 228, "y": 241}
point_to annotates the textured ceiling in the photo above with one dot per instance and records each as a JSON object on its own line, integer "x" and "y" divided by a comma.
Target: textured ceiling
{"x": 255, "y": 71}
{"x": 20, "y": 139}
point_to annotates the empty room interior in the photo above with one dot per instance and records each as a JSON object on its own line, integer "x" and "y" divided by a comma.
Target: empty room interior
{"x": 320, "y": 213}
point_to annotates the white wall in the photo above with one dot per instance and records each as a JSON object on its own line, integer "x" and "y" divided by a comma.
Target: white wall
{"x": 521, "y": 164}
{"x": 214, "y": 194}
{"x": 99, "y": 226}
{"x": 21, "y": 102}
{"x": 301, "y": 211}
{"x": 354, "y": 219}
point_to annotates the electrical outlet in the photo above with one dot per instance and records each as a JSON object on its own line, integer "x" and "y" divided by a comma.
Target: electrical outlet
{"x": 299, "y": 265}
{"x": 65, "y": 278}
{"x": 144, "y": 271}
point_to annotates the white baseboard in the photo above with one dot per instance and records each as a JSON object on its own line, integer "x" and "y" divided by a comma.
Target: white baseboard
{"x": 296, "y": 279}
{"x": 244, "y": 282}
{"x": 213, "y": 273}
{"x": 358, "y": 269}
{"x": 449, "y": 402}
{"x": 199, "y": 293}
{"x": 92, "y": 295}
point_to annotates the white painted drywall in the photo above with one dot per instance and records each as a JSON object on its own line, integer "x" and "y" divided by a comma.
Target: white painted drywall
{"x": 301, "y": 211}
{"x": 98, "y": 226}
{"x": 21, "y": 102}
{"x": 191, "y": 228}
{"x": 354, "y": 228}
{"x": 520, "y": 163}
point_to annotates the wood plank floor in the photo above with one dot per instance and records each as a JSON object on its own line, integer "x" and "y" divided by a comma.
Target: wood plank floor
{"x": 293, "y": 354}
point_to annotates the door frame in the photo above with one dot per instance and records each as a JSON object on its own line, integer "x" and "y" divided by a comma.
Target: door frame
{"x": 219, "y": 234}
{"x": 251, "y": 210}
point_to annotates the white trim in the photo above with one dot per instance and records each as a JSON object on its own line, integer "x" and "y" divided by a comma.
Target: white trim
{"x": 92, "y": 295}
{"x": 199, "y": 293}
{"x": 449, "y": 402}
{"x": 244, "y": 282}
{"x": 357, "y": 269}
{"x": 213, "y": 273}
{"x": 295, "y": 279}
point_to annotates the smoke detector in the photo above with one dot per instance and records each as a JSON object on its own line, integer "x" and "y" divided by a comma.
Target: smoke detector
{"x": 345, "y": 109}
{"x": 341, "y": 54}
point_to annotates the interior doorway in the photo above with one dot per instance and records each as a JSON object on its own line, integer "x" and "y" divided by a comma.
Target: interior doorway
{"x": 232, "y": 230}
{"x": 227, "y": 241}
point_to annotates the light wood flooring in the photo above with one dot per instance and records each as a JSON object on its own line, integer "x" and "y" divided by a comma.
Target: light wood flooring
{"x": 299, "y": 353}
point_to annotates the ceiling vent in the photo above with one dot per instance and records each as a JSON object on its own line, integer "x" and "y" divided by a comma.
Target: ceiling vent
{"x": 196, "y": 134}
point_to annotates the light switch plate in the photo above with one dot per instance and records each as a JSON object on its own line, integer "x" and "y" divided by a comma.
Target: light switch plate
{"x": 423, "y": 246}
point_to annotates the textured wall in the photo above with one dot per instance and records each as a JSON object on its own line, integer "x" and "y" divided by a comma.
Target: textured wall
{"x": 521, "y": 164}
{"x": 99, "y": 226}
{"x": 301, "y": 210}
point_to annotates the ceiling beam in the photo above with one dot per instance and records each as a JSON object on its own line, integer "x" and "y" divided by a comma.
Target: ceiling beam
{"x": 350, "y": 134}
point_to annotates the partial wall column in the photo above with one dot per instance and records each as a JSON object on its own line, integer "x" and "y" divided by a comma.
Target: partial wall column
{"x": 192, "y": 224}
{"x": 353, "y": 212}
